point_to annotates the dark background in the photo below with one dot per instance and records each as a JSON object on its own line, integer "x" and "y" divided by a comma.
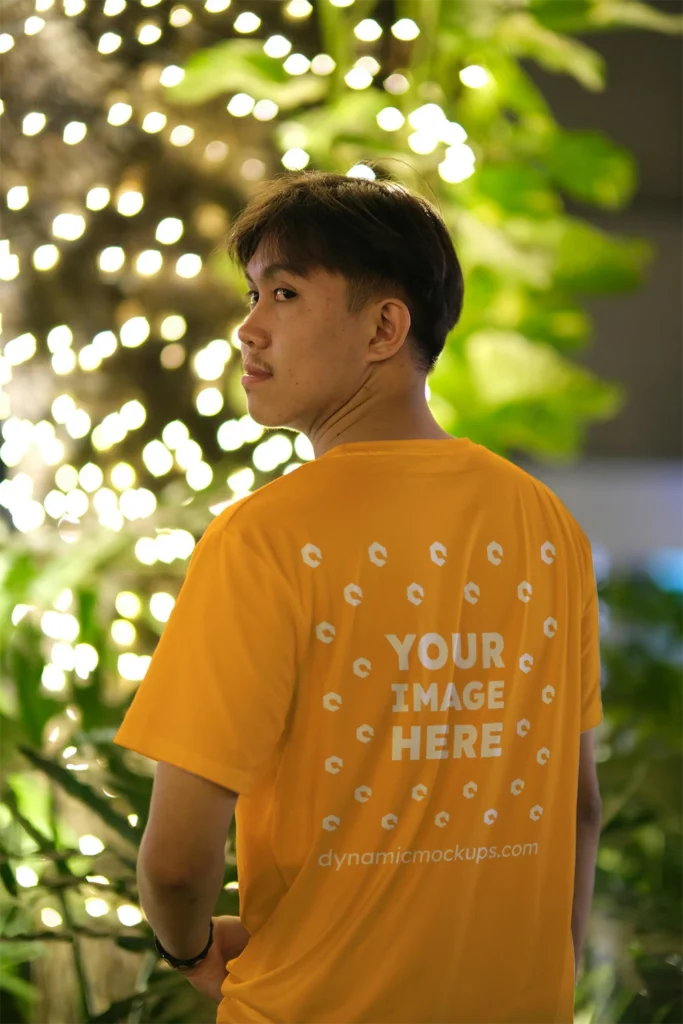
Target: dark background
{"x": 638, "y": 338}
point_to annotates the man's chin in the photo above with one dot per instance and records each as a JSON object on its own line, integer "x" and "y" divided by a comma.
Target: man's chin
{"x": 263, "y": 417}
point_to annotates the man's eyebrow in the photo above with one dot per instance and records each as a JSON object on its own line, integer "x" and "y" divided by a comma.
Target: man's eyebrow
{"x": 273, "y": 270}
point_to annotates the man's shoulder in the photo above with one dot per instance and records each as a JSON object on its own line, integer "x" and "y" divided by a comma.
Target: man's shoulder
{"x": 531, "y": 488}
{"x": 268, "y": 504}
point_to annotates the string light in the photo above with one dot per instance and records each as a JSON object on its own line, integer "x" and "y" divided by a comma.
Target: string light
{"x": 111, "y": 259}
{"x": 396, "y": 84}
{"x": 33, "y": 123}
{"x": 277, "y": 46}
{"x": 188, "y": 265}
{"x": 50, "y": 917}
{"x": 128, "y": 914}
{"x": 169, "y": 230}
{"x": 405, "y": 29}
{"x": 17, "y": 197}
{"x": 113, "y": 7}
{"x": 33, "y": 25}
{"x": 216, "y": 151}
{"x": 90, "y": 846}
{"x": 241, "y": 104}
{"x": 6, "y": 42}
{"x": 298, "y": 9}
{"x": 129, "y": 203}
{"x": 171, "y": 75}
{"x": 368, "y": 30}
{"x": 119, "y": 113}
{"x": 341, "y": 3}
{"x": 97, "y": 198}
{"x": 109, "y": 42}
{"x": 358, "y": 78}
{"x": 134, "y": 331}
{"x": 390, "y": 119}
{"x": 246, "y": 22}
{"x": 26, "y": 877}
{"x": 149, "y": 262}
{"x": 295, "y": 159}
{"x": 182, "y": 135}
{"x": 74, "y": 132}
{"x": 369, "y": 64}
{"x": 180, "y": 16}
{"x": 68, "y": 226}
{"x": 45, "y": 257}
{"x": 216, "y": 6}
{"x": 148, "y": 32}
{"x": 43, "y": 5}
{"x": 322, "y": 64}
{"x": 266, "y": 110}
{"x": 72, "y": 8}
{"x": 297, "y": 64}
{"x": 474, "y": 76}
{"x": 173, "y": 327}
{"x": 154, "y": 122}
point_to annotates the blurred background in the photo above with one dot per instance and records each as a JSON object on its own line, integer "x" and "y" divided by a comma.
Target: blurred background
{"x": 548, "y": 133}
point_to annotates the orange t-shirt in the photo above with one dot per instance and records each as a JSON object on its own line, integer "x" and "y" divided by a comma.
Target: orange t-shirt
{"x": 390, "y": 653}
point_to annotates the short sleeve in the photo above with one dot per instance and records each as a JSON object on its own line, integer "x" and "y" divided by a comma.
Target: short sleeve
{"x": 218, "y": 690}
{"x": 591, "y": 701}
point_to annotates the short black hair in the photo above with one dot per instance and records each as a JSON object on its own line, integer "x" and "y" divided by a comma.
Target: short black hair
{"x": 374, "y": 232}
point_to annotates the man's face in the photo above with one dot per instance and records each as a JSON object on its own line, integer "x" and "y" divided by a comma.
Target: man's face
{"x": 300, "y": 330}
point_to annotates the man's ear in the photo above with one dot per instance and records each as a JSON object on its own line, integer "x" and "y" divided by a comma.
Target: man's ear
{"x": 392, "y": 325}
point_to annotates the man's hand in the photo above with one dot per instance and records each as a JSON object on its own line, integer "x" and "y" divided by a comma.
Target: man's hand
{"x": 230, "y": 937}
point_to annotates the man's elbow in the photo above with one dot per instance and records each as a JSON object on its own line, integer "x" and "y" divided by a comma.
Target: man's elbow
{"x": 164, "y": 871}
{"x": 589, "y": 813}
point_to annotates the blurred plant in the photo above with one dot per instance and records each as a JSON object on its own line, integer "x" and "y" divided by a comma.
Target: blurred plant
{"x": 457, "y": 117}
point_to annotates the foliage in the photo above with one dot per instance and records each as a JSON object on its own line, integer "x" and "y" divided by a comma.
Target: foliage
{"x": 507, "y": 379}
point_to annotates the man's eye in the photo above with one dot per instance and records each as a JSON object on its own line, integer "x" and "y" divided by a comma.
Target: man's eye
{"x": 252, "y": 296}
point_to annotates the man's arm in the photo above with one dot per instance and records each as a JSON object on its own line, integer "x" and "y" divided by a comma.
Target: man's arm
{"x": 588, "y": 824}
{"x": 181, "y": 863}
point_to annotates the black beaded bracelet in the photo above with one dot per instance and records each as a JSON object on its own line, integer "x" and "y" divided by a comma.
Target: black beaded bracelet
{"x": 184, "y": 964}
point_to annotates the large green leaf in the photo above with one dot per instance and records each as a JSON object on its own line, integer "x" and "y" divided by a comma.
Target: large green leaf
{"x": 353, "y": 121}
{"x": 588, "y": 166}
{"x": 602, "y": 15}
{"x": 595, "y": 263}
{"x": 6, "y": 873}
{"x": 240, "y": 65}
{"x": 505, "y": 367}
{"x": 518, "y": 188}
{"x": 85, "y": 793}
{"x": 523, "y": 36}
{"x": 489, "y": 246}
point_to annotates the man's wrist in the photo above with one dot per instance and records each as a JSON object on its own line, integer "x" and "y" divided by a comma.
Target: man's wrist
{"x": 185, "y": 963}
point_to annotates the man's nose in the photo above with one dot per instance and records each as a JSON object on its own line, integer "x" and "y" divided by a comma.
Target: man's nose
{"x": 249, "y": 329}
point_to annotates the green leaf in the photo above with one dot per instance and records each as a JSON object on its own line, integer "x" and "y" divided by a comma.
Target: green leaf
{"x": 486, "y": 245}
{"x": 134, "y": 944}
{"x": 25, "y": 665}
{"x": 6, "y": 873}
{"x": 81, "y": 791}
{"x": 595, "y": 263}
{"x": 518, "y": 188}
{"x": 588, "y": 166}
{"x": 601, "y": 15}
{"x": 351, "y": 120}
{"x": 505, "y": 367}
{"x": 17, "y": 986}
{"x": 631, "y": 14}
{"x": 523, "y": 36}
{"x": 240, "y": 65}
{"x": 160, "y": 984}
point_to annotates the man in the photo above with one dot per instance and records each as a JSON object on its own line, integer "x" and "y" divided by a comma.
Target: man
{"x": 386, "y": 662}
